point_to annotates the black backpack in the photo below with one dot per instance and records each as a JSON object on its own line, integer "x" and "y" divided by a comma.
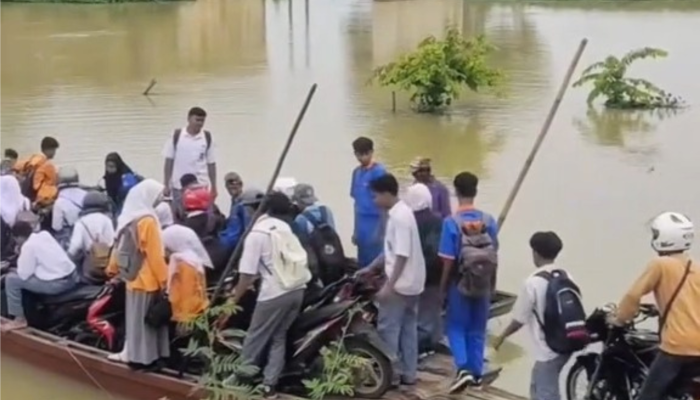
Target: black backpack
{"x": 26, "y": 181}
{"x": 564, "y": 322}
{"x": 327, "y": 248}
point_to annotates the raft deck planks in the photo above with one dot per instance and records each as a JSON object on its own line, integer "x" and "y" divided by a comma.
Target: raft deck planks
{"x": 51, "y": 352}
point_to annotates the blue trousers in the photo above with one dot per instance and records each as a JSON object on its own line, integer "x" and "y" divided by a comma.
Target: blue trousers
{"x": 369, "y": 238}
{"x": 465, "y": 327}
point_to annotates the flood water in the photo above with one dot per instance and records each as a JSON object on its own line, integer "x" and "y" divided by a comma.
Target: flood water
{"x": 76, "y": 72}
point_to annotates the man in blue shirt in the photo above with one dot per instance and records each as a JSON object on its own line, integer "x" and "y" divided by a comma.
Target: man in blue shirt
{"x": 305, "y": 198}
{"x": 466, "y": 318}
{"x": 368, "y": 233}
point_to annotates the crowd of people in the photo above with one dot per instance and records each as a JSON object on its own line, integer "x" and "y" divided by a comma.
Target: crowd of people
{"x": 167, "y": 240}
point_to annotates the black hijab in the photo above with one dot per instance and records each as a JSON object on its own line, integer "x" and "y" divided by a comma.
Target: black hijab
{"x": 113, "y": 182}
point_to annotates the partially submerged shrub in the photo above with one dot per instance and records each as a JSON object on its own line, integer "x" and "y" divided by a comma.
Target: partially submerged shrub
{"x": 609, "y": 80}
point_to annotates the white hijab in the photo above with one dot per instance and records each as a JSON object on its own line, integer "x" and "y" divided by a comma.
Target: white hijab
{"x": 140, "y": 202}
{"x": 164, "y": 212}
{"x": 11, "y": 200}
{"x": 184, "y": 245}
{"x": 418, "y": 197}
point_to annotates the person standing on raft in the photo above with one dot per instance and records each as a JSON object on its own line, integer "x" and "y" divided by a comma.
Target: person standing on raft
{"x": 368, "y": 231}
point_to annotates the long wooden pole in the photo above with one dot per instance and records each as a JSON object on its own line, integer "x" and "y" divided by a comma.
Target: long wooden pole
{"x": 280, "y": 162}
{"x": 542, "y": 135}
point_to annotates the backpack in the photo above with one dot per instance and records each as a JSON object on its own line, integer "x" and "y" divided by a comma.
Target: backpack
{"x": 129, "y": 256}
{"x": 478, "y": 259}
{"x": 178, "y": 132}
{"x": 26, "y": 179}
{"x": 430, "y": 232}
{"x": 289, "y": 260}
{"x": 564, "y": 320}
{"x": 97, "y": 258}
{"x": 326, "y": 246}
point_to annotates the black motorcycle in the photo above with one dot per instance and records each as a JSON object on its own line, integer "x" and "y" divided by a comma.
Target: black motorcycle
{"x": 619, "y": 371}
{"x": 340, "y": 308}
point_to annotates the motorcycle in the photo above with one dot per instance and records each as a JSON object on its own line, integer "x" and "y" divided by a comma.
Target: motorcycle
{"x": 82, "y": 315}
{"x": 619, "y": 371}
{"x": 340, "y": 311}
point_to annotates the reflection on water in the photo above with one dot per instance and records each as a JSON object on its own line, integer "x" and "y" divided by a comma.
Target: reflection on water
{"x": 76, "y": 72}
{"x": 631, "y": 131}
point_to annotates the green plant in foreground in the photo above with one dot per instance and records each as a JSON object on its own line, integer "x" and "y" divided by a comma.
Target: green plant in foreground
{"x": 220, "y": 361}
{"x": 341, "y": 370}
{"x": 610, "y": 81}
{"x": 437, "y": 70}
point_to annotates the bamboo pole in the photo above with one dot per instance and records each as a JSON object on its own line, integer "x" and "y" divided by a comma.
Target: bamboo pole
{"x": 280, "y": 162}
{"x": 543, "y": 133}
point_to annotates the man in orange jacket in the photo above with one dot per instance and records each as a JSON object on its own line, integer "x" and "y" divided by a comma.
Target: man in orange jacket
{"x": 42, "y": 190}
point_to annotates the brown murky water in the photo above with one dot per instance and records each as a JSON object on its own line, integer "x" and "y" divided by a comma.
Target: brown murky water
{"x": 76, "y": 72}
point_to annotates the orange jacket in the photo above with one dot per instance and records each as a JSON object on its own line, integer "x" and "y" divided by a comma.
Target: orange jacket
{"x": 45, "y": 178}
{"x": 153, "y": 275}
{"x": 187, "y": 293}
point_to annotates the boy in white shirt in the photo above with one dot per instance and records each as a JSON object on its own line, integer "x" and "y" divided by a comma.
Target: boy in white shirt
{"x": 43, "y": 267}
{"x": 66, "y": 208}
{"x": 93, "y": 226}
{"x": 528, "y": 309}
{"x": 404, "y": 266}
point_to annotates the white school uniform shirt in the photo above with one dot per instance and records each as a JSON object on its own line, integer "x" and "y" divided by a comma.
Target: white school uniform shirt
{"x": 402, "y": 239}
{"x": 88, "y": 230}
{"x": 43, "y": 257}
{"x": 190, "y": 157}
{"x": 531, "y": 298}
{"x": 67, "y": 207}
{"x": 257, "y": 259}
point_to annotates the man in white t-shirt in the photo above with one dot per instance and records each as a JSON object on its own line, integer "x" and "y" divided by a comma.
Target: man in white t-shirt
{"x": 276, "y": 309}
{"x": 404, "y": 267}
{"x": 544, "y": 383}
{"x": 189, "y": 150}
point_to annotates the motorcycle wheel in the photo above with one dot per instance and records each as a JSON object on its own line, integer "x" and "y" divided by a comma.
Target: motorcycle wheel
{"x": 381, "y": 369}
{"x": 575, "y": 391}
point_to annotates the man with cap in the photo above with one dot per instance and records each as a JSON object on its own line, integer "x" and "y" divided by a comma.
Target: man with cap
{"x": 234, "y": 186}
{"x": 422, "y": 173}
{"x": 304, "y": 197}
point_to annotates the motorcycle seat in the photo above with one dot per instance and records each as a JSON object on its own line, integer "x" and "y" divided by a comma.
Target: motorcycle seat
{"x": 83, "y": 292}
{"x": 314, "y": 318}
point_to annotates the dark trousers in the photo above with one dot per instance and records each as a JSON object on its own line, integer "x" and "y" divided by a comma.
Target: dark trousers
{"x": 664, "y": 372}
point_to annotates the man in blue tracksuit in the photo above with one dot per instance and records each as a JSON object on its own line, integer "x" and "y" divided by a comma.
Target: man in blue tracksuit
{"x": 368, "y": 232}
{"x": 239, "y": 218}
{"x": 466, "y": 319}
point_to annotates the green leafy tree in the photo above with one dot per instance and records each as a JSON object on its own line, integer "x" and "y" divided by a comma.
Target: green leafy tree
{"x": 609, "y": 80}
{"x": 342, "y": 370}
{"x": 436, "y": 72}
{"x": 221, "y": 359}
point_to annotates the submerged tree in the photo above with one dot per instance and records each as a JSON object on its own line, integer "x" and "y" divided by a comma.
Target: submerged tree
{"x": 610, "y": 81}
{"x": 437, "y": 70}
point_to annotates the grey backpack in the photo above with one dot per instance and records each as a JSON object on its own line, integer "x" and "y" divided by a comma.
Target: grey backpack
{"x": 478, "y": 259}
{"x": 128, "y": 255}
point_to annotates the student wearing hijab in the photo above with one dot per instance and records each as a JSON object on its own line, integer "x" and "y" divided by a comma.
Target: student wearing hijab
{"x": 145, "y": 345}
{"x": 164, "y": 212}
{"x": 118, "y": 179}
{"x": 11, "y": 200}
{"x": 187, "y": 287}
{"x": 12, "y": 203}
{"x": 419, "y": 197}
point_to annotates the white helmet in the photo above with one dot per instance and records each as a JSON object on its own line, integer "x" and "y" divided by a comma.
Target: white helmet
{"x": 672, "y": 232}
